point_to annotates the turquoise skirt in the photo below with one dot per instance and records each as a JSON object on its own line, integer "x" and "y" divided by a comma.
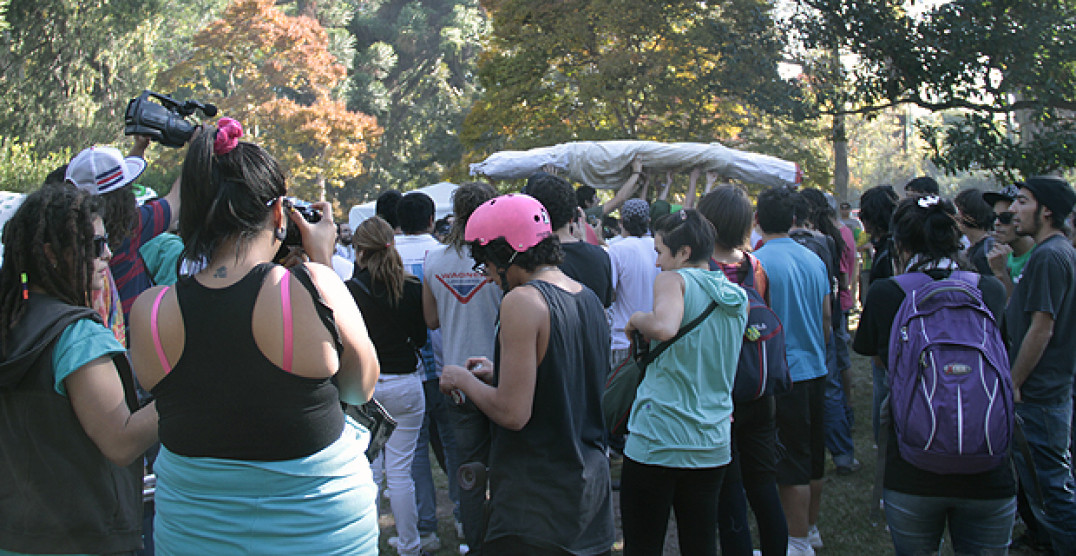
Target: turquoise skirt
{"x": 319, "y": 504}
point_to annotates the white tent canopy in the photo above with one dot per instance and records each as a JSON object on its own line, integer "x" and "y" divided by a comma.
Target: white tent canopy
{"x": 441, "y": 193}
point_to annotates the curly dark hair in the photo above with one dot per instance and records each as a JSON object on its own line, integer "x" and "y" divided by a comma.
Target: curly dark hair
{"x": 776, "y": 210}
{"x": 499, "y": 252}
{"x": 50, "y": 239}
{"x": 555, "y": 194}
{"x": 119, "y": 211}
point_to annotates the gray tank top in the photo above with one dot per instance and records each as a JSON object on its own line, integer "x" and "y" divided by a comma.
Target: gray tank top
{"x": 549, "y": 481}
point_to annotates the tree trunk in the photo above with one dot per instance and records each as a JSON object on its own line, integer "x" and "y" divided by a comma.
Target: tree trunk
{"x": 840, "y": 158}
{"x": 840, "y": 136}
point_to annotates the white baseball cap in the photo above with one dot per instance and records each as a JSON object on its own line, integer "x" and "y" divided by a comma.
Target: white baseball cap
{"x": 100, "y": 170}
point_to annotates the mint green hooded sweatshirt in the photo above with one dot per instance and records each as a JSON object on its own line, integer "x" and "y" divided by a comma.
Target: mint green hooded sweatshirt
{"x": 682, "y": 416}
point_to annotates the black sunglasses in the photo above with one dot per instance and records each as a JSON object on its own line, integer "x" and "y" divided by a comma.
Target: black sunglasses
{"x": 1004, "y": 217}
{"x": 99, "y": 245}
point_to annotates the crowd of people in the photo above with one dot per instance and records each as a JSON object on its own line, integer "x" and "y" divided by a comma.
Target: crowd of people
{"x": 225, "y": 360}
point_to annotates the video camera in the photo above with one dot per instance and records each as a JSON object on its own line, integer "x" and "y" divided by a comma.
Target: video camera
{"x": 164, "y": 122}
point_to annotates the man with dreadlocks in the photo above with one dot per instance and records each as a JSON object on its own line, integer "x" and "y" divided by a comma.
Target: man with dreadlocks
{"x": 71, "y": 433}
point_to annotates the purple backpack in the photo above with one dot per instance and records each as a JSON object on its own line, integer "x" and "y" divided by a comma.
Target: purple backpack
{"x": 950, "y": 391}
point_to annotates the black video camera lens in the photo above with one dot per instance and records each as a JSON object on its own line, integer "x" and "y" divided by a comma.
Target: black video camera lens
{"x": 163, "y": 121}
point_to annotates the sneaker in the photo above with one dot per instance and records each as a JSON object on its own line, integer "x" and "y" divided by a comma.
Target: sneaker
{"x": 800, "y": 546}
{"x": 814, "y": 537}
{"x": 427, "y": 541}
{"x": 844, "y": 470}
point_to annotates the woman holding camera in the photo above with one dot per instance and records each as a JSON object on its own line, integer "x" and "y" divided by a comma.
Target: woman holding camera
{"x": 249, "y": 363}
{"x": 71, "y": 432}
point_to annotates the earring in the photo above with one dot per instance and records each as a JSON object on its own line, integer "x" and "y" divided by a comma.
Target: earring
{"x": 280, "y": 233}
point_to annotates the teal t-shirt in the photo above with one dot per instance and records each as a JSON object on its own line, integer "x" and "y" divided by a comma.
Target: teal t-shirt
{"x": 798, "y": 285}
{"x": 682, "y": 415}
{"x": 80, "y": 343}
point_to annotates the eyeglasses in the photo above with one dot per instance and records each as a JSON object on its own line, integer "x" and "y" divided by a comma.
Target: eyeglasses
{"x": 479, "y": 268}
{"x": 1004, "y": 217}
{"x": 100, "y": 243}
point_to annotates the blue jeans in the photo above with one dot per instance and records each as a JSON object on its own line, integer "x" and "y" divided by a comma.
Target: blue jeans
{"x": 472, "y": 443}
{"x": 838, "y": 428}
{"x": 1048, "y": 429}
{"x": 881, "y": 391}
{"x": 425, "y": 492}
{"x": 917, "y": 523}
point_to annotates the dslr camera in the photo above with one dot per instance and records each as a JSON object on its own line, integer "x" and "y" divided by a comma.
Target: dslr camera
{"x": 308, "y": 213}
{"x": 164, "y": 121}
{"x": 293, "y": 238}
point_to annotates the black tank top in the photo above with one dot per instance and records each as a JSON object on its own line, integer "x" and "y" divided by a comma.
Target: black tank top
{"x": 555, "y": 466}
{"x": 225, "y": 399}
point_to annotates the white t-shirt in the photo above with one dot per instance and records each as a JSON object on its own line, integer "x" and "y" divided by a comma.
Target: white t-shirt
{"x": 633, "y": 260}
{"x": 467, "y": 305}
{"x": 343, "y": 267}
{"x": 413, "y": 250}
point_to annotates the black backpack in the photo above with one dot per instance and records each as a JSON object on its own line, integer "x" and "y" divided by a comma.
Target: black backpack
{"x": 763, "y": 366}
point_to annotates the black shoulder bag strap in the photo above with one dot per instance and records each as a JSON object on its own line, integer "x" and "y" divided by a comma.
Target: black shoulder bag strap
{"x": 325, "y": 313}
{"x": 653, "y": 354}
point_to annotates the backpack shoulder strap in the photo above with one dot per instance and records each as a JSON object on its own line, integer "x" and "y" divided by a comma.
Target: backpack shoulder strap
{"x": 911, "y": 281}
{"x": 749, "y": 276}
{"x": 966, "y": 276}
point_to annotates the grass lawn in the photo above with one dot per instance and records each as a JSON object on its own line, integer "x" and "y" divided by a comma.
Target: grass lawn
{"x": 845, "y": 516}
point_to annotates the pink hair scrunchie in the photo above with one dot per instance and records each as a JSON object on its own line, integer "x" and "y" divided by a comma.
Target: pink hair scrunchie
{"x": 228, "y": 133}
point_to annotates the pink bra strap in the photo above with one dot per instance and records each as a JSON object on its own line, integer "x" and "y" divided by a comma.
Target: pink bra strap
{"x": 156, "y": 332}
{"x": 285, "y": 301}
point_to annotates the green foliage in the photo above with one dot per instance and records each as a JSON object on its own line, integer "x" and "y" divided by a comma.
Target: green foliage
{"x": 980, "y": 142}
{"x": 414, "y": 71}
{"x": 22, "y": 169}
{"x": 633, "y": 69}
{"x": 67, "y": 68}
{"x": 1016, "y": 60}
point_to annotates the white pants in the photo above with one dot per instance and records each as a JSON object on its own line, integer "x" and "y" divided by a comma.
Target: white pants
{"x": 403, "y": 398}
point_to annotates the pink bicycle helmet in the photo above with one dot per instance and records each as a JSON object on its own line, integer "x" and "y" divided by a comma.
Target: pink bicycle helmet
{"x": 520, "y": 219}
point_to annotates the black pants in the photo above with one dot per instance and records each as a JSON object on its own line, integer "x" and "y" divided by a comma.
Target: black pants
{"x": 647, "y": 492}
